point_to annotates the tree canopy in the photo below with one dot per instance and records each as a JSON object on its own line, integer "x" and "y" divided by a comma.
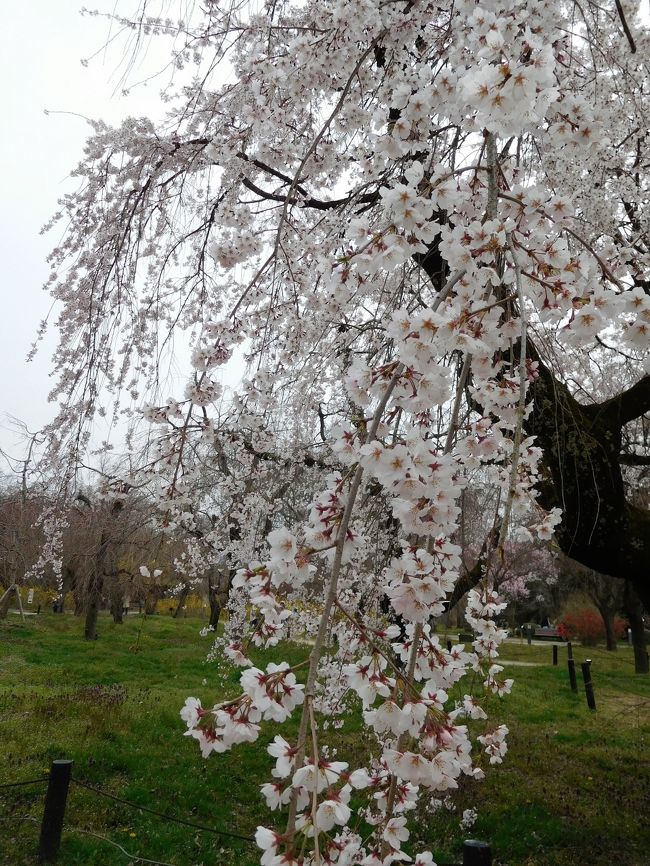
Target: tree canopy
{"x": 424, "y": 226}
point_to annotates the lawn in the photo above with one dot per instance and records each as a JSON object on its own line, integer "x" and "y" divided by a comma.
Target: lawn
{"x": 574, "y": 788}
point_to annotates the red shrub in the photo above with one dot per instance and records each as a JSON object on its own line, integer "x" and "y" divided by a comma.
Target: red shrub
{"x": 563, "y": 631}
{"x": 586, "y": 625}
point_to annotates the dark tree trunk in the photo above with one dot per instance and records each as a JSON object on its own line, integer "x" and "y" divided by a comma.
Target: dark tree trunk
{"x": 5, "y": 601}
{"x": 67, "y": 583}
{"x": 610, "y": 633}
{"x": 150, "y": 603}
{"x": 116, "y": 596}
{"x": 634, "y": 611}
{"x": 117, "y": 608}
{"x": 215, "y": 613}
{"x": 92, "y": 606}
{"x": 219, "y": 580}
{"x": 96, "y": 585}
{"x": 182, "y": 598}
{"x": 600, "y": 528}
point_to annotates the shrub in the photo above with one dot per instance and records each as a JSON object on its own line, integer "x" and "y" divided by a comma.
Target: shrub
{"x": 587, "y": 626}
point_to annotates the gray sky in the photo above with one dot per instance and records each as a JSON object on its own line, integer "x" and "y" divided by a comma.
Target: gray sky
{"x": 41, "y": 46}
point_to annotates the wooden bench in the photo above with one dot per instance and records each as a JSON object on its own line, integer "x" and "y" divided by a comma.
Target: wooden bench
{"x": 548, "y": 633}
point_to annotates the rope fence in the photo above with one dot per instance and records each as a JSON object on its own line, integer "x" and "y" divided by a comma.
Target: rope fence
{"x": 183, "y": 821}
{"x": 611, "y": 655}
{"x": 26, "y": 782}
{"x": 475, "y": 853}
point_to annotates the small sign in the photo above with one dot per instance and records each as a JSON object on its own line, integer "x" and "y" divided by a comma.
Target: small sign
{"x": 30, "y": 596}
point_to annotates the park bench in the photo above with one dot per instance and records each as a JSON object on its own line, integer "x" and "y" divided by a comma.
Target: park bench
{"x": 547, "y": 633}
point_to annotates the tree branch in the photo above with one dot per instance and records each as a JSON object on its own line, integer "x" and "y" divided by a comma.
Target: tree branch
{"x": 625, "y": 25}
{"x": 309, "y": 201}
{"x": 626, "y": 406}
{"x": 634, "y": 459}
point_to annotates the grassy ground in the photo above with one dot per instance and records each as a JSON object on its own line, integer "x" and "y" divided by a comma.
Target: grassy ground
{"x": 574, "y": 788}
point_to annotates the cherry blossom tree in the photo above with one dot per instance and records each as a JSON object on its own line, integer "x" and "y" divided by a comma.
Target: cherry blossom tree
{"x": 526, "y": 575}
{"x": 414, "y": 220}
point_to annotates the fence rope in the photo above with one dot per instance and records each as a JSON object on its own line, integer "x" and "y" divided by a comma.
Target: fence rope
{"x": 135, "y": 857}
{"x": 117, "y": 799}
{"x": 20, "y": 784}
{"x": 101, "y": 793}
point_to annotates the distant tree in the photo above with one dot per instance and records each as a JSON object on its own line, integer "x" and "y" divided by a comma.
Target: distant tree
{"x": 604, "y": 592}
{"x": 20, "y": 540}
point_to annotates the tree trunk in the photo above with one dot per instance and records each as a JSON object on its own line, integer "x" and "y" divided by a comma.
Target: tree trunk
{"x": 634, "y": 611}
{"x": 117, "y": 608}
{"x": 5, "y": 601}
{"x": 582, "y": 444}
{"x": 92, "y": 606}
{"x": 610, "y": 634}
{"x": 215, "y": 612}
{"x": 95, "y": 587}
{"x": 182, "y": 598}
{"x": 68, "y": 582}
{"x": 219, "y": 580}
{"x": 97, "y": 578}
{"x": 150, "y": 603}
{"x": 116, "y": 596}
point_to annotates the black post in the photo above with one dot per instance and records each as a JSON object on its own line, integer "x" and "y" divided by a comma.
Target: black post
{"x": 589, "y": 686}
{"x": 529, "y": 632}
{"x": 448, "y": 646}
{"x": 572, "y": 675}
{"x": 554, "y": 655}
{"x": 476, "y": 853}
{"x": 54, "y": 811}
{"x": 569, "y": 650}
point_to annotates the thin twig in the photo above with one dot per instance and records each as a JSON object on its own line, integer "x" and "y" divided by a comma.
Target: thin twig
{"x": 331, "y": 590}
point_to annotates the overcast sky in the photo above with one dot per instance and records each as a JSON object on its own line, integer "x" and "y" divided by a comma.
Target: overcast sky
{"x": 41, "y": 47}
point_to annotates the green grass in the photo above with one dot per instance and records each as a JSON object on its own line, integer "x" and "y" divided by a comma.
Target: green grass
{"x": 574, "y": 787}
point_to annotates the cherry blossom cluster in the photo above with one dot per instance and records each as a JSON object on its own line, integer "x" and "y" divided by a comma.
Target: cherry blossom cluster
{"x": 272, "y": 694}
{"x": 424, "y": 745}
